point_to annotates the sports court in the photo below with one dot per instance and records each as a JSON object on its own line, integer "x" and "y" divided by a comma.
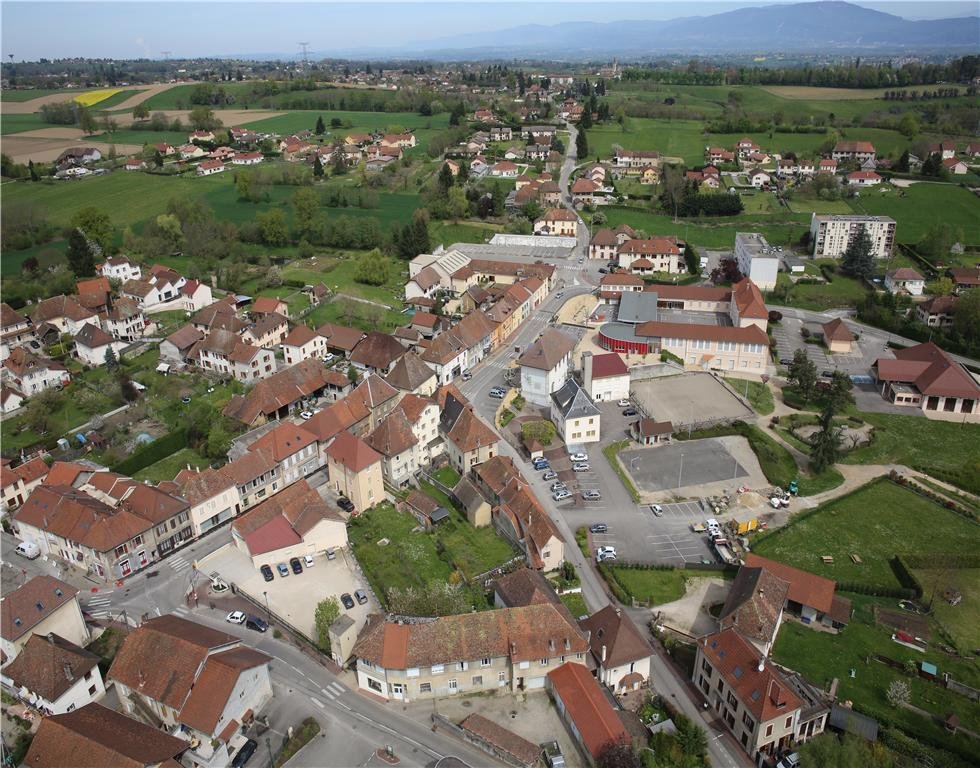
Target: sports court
{"x": 688, "y": 399}
{"x": 682, "y": 464}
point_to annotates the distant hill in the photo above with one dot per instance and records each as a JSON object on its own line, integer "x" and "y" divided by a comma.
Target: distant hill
{"x": 803, "y": 27}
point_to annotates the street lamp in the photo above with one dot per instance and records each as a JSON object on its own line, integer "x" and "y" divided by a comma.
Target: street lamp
{"x": 268, "y": 613}
{"x": 680, "y": 473}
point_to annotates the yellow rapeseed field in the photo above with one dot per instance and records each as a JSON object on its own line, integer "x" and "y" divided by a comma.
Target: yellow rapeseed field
{"x": 94, "y": 97}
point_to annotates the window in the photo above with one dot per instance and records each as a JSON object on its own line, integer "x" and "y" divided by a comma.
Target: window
{"x": 461, "y": 666}
{"x": 477, "y": 680}
{"x": 749, "y": 722}
{"x": 706, "y": 666}
{"x": 91, "y": 689}
{"x": 485, "y": 662}
{"x": 501, "y": 677}
{"x": 438, "y": 669}
{"x": 412, "y": 672}
{"x": 789, "y": 721}
{"x": 732, "y": 700}
{"x": 769, "y": 730}
{"x": 374, "y": 685}
{"x": 544, "y": 662}
{"x": 453, "y": 685}
{"x": 425, "y": 687}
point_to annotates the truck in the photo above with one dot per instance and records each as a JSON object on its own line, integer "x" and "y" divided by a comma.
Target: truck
{"x": 725, "y": 551}
{"x": 28, "y": 549}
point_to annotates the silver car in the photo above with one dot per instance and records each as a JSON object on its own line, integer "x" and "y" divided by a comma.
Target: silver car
{"x": 561, "y": 495}
{"x": 591, "y": 495}
{"x": 582, "y": 466}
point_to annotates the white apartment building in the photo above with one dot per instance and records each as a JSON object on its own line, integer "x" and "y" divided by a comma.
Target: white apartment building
{"x": 830, "y": 236}
{"x": 544, "y": 366}
{"x": 756, "y": 259}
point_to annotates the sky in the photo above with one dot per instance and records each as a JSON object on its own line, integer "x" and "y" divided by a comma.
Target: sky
{"x": 191, "y": 29}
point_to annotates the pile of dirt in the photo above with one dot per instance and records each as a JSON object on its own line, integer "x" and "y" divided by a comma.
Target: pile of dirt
{"x": 751, "y": 500}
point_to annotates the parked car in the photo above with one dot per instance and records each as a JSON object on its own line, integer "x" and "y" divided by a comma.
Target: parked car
{"x": 549, "y": 475}
{"x": 657, "y": 510}
{"x": 361, "y": 596}
{"x": 792, "y": 760}
{"x": 603, "y": 270}
{"x": 256, "y": 624}
{"x": 605, "y": 551}
{"x": 552, "y": 754}
{"x": 347, "y": 600}
{"x": 598, "y": 528}
{"x": 498, "y": 392}
{"x": 623, "y": 403}
{"x": 308, "y": 561}
{"x": 785, "y": 361}
{"x": 561, "y": 495}
{"x": 467, "y": 375}
{"x": 827, "y": 374}
{"x": 267, "y": 573}
{"x": 582, "y": 466}
{"x": 345, "y": 504}
{"x": 559, "y": 486}
{"x": 28, "y": 549}
{"x": 591, "y": 495}
{"x": 306, "y": 415}
{"x": 602, "y": 557}
{"x": 579, "y": 457}
{"x": 331, "y": 554}
{"x": 243, "y": 755}
{"x": 283, "y": 570}
{"x": 296, "y": 565}
{"x": 236, "y": 617}
{"x": 630, "y": 412}
{"x": 541, "y": 463}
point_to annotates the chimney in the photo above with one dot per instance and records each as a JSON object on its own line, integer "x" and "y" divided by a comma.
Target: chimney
{"x": 587, "y": 371}
{"x": 51, "y": 637}
{"x": 568, "y": 644}
{"x": 68, "y": 673}
{"x": 603, "y": 653}
{"x": 762, "y": 664}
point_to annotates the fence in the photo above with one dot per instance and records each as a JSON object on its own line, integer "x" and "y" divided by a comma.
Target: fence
{"x": 438, "y": 721}
{"x": 277, "y": 619}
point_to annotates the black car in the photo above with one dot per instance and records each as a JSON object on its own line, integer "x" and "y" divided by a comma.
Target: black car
{"x": 785, "y": 361}
{"x": 267, "y": 573}
{"x": 827, "y": 374}
{"x": 345, "y": 504}
{"x": 254, "y": 622}
{"x": 347, "y": 600}
{"x": 296, "y": 565}
{"x": 244, "y": 753}
{"x": 629, "y": 412}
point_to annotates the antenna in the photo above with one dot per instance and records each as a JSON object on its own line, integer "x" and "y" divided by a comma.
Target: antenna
{"x": 306, "y": 59}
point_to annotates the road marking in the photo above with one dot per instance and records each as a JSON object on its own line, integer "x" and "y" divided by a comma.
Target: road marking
{"x": 178, "y": 563}
{"x": 316, "y": 701}
{"x": 338, "y": 688}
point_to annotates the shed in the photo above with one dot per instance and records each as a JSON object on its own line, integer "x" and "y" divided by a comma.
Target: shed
{"x": 844, "y": 720}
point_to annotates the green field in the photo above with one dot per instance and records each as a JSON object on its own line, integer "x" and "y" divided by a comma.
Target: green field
{"x": 758, "y": 394}
{"x": 842, "y": 292}
{"x": 673, "y": 138}
{"x": 924, "y": 204}
{"x": 658, "y": 586}
{"x": 875, "y": 522}
{"x": 167, "y": 469}
{"x": 11, "y": 124}
{"x": 354, "y": 122}
{"x": 170, "y": 98}
{"x": 26, "y": 94}
{"x": 962, "y": 621}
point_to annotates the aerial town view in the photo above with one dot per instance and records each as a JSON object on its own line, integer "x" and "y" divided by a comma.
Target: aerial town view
{"x": 505, "y": 385}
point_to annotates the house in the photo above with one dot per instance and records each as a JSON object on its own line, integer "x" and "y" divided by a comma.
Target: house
{"x": 525, "y": 586}
{"x": 268, "y": 305}
{"x": 268, "y": 331}
{"x": 760, "y": 179}
{"x": 746, "y": 147}
{"x": 905, "y": 280}
{"x": 756, "y": 259}
{"x": 587, "y": 713}
{"x": 557, "y": 221}
{"x": 355, "y": 470}
{"x": 973, "y": 149}
{"x": 605, "y": 377}
{"x": 827, "y": 165}
{"x": 501, "y": 133}
{"x": 292, "y": 523}
{"x": 190, "y": 152}
{"x": 200, "y": 682}
{"x": 246, "y": 158}
{"x": 275, "y": 396}
{"x": 178, "y": 346}
{"x": 863, "y": 179}
{"x": 832, "y": 235}
{"x": 925, "y": 376}
{"x": 302, "y": 343}
{"x": 18, "y": 482}
{"x": 134, "y": 164}
{"x": 811, "y": 598}
{"x": 545, "y": 365}
{"x": 469, "y": 440}
{"x": 620, "y": 653}
{"x": 125, "y": 321}
{"x": 718, "y": 155}
{"x": 946, "y": 149}
{"x": 42, "y": 606}
{"x": 293, "y": 448}
{"x": 10, "y": 399}
{"x": 92, "y": 345}
{"x": 29, "y": 373}
{"x": 164, "y": 149}
{"x": 394, "y": 439}
{"x": 119, "y": 268}
{"x": 65, "y": 313}
{"x": 104, "y": 737}
{"x": 504, "y": 170}
{"x": 15, "y": 330}
{"x": 422, "y": 414}
{"x": 195, "y": 136}
{"x": 964, "y": 278}
{"x": 937, "y": 312}
{"x": 377, "y": 352}
{"x": 425, "y": 509}
{"x": 54, "y": 675}
{"x": 78, "y": 156}
{"x": 754, "y": 606}
{"x": 509, "y": 648}
{"x": 838, "y": 337}
{"x": 630, "y": 158}
{"x": 584, "y": 191}
{"x": 753, "y": 698}
{"x": 955, "y": 167}
{"x": 861, "y": 151}
{"x": 661, "y": 254}
{"x": 225, "y": 354}
{"x": 412, "y": 374}
{"x": 213, "y": 496}
{"x": 650, "y": 432}
{"x": 574, "y": 414}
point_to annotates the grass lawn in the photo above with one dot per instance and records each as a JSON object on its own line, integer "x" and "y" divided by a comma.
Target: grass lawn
{"x": 758, "y": 394}
{"x": 815, "y": 205}
{"x": 26, "y": 94}
{"x": 842, "y": 292}
{"x": 922, "y": 205}
{"x": 961, "y": 621}
{"x": 646, "y": 584}
{"x": 167, "y": 469}
{"x": 447, "y": 476}
{"x": 945, "y": 449}
{"x": 575, "y": 604}
{"x": 447, "y": 233}
{"x": 611, "y": 452}
{"x": 875, "y": 522}
{"x": 47, "y": 255}
{"x": 471, "y": 550}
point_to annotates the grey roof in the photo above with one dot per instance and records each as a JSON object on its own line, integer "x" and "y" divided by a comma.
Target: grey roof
{"x": 849, "y": 721}
{"x": 548, "y": 351}
{"x": 573, "y": 402}
{"x": 637, "y": 307}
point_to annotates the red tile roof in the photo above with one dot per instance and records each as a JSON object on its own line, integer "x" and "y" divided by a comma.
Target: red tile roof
{"x": 586, "y": 706}
{"x": 748, "y": 299}
{"x": 284, "y": 441}
{"x": 750, "y": 335}
{"x": 931, "y": 370}
{"x": 607, "y": 365}
{"x": 804, "y": 588}
{"x": 19, "y": 610}
{"x": 614, "y": 635}
{"x": 283, "y": 519}
{"x": 837, "y": 330}
{"x": 355, "y": 454}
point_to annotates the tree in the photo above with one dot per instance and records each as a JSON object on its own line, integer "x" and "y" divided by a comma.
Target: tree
{"x": 858, "y": 260}
{"x": 966, "y": 315}
{"x": 420, "y": 231}
{"x": 372, "y": 268}
{"x": 306, "y": 206}
{"x": 937, "y": 242}
{"x": 338, "y": 163}
{"x": 617, "y": 755}
{"x": 352, "y": 375}
{"x": 908, "y": 126}
{"x": 903, "y": 163}
{"x": 158, "y": 158}
{"x": 96, "y": 225}
{"x": 336, "y": 122}
{"x": 839, "y": 392}
{"x": 320, "y": 128}
{"x": 31, "y": 170}
{"x": 110, "y": 358}
{"x": 692, "y": 738}
{"x": 202, "y": 119}
{"x": 457, "y": 206}
{"x": 327, "y": 612}
{"x": 40, "y": 410}
{"x": 243, "y": 185}
{"x": 318, "y": 167}
{"x": 581, "y": 145}
{"x": 898, "y": 693}
{"x": 87, "y": 122}
{"x": 803, "y": 373}
{"x": 445, "y": 180}
{"x": 272, "y": 227}
{"x": 825, "y": 444}
{"x": 941, "y": 286}
{"x": 933, "y": 166}
{"x": 168, "y": 225}
{"x": 141, "y": 112}
{"x": 80, "y": 258}
{"x": 727, "y": 271}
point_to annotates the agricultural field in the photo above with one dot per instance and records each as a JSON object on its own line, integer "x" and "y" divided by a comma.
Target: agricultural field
{"x": 27, "y": 94}
{"x": 105, "y": 98}
{"x": 875, "y": 522}
{"x": 673, "y": 138}
{"x": 919, "y": 207}
{"x": 30, "y": 122}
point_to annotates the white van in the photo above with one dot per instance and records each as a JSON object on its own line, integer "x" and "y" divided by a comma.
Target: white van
{"x": 28, "y": 549}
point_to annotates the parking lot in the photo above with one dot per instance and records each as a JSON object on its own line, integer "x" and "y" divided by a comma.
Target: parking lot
{"x": 688, "y": 398}
{"x": 694, "y": 462}
{"x": 640, "y": 536}
{"x": 789, "y": 338}
{"x": 295, "y": 597}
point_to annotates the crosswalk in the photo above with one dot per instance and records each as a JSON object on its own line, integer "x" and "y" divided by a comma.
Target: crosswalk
{"x": 99, "y": 605}
{"x": 333, "y": 690}
{"x": 178, "y": 563}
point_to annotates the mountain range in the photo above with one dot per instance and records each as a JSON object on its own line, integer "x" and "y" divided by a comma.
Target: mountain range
{"x": 828, "y": 26}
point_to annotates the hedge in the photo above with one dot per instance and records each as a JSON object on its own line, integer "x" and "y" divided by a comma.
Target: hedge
{"x": 156, "y": 451}
{"x": 904, "y": 575}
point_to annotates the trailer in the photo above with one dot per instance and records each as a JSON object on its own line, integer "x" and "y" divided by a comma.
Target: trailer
{"x": 725, "y": 551}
